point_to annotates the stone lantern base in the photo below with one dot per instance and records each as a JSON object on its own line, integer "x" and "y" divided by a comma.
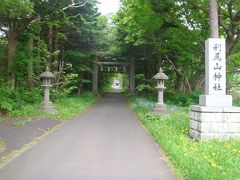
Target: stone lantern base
{"x": 48, "y": 107}
{"x": 160, "y": 109}
{"x": 221, "y": 123}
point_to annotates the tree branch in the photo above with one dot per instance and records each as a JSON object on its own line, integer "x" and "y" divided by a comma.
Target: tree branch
{"x": 28, "y": 22}
{"x": 232, "y": 46}
{"x": 76, "y": 5}
{"x": 180, "y": 71}
{"x": 197, "y": 6}
{"x": 230, "y": 10}
{"x": 3, "y": 30}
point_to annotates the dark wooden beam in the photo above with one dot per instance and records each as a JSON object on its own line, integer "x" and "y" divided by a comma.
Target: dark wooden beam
{"x": 115, "y": 63}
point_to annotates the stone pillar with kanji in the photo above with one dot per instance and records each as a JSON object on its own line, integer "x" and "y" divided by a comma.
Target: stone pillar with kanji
{"x": 215, "y": 117}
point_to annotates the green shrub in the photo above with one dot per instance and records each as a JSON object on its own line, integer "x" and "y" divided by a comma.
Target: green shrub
{"x": 70, "y": 106}
{"x": 182, "y": 99}
{"x": 6, "y": 98}
{"x": 11, "y": 100}
{"x": 145, "y": 86}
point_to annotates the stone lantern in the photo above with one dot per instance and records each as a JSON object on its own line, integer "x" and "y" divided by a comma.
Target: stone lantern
{"x": 47, "y": 105}
{"x": 160, "y": 107}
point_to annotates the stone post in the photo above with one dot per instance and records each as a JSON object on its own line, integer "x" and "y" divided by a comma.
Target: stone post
{"x": 214, "y": 117}
{"x": 47, "y": 105}
{"x": 46, "y": 94}
{"x": 95, "y": 78}
{"x": 132, "y": 77}
{"x": 160, "y": 95}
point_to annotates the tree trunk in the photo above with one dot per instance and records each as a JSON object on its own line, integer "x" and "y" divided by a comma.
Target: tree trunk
{"x": 38, "y": 63}
{"x": 80, "y": 87}
{"x": 50, "y": 45}
{"x": 12, "y": 45}
{"x": 60, "y": 70}
{"x": 55, "y": 48}
{"x": 214, "y": 19}
{"x": 30, "y": 65}
{"x": 56, "y": 44}
{"x": 199, "y": 85}
{"x": 178, "y": 81}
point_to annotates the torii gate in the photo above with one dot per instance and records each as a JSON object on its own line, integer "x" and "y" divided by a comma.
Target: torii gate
{"x": 131, "y": 66}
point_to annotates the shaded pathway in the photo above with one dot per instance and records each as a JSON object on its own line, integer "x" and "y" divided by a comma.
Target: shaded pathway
{"x": 104, "y": 143}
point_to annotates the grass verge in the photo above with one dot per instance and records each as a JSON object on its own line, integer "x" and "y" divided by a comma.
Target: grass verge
{"x": 2, "y": 145}
{"x": 68, "y": 107}
{"x": 194, "y": 160}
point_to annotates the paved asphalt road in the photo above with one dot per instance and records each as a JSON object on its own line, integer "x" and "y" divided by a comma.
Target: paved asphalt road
{"x": 104, "y": 143}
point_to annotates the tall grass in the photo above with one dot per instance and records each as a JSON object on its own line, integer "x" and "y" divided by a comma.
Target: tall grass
{"x": 195, "y": 160}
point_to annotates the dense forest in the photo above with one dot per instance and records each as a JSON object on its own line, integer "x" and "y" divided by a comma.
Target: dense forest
{"x": 171, "y": 34}
{"x": 69, "y": 36}
{"x": 64, "y": 35}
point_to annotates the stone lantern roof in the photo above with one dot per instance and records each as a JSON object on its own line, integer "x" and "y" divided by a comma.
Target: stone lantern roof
{"x": 47, "y": 74}
{"x": 160, "y": 75}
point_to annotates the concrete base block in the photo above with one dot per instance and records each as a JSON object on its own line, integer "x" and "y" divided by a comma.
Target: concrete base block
{"x": 215, "y": 100}
{"x": 214, "y": 123}
{"x": 48, "y": 107}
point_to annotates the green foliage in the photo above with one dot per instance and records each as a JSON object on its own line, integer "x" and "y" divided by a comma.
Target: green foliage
{"x": 145, "y": 86}
{"x": 3, "y": 55}
{"x": 138, "y": 19}
{"x": 68, "y": 85}
{"x": 14, "y": 9}
{"x": 194, "y": 160}
{"x": 233, "y": 77}
{"x": 25, "y": 111}
{"x": 233, "y": 87}
{"x": 67, "y": 106}
{"x": 11, "y": 100}
{"x": 46, "y": 33}
{"x": 161, "y": 34}
{"x": 182, "y": 99}
{"x": 5, "y": 98}
{"x": 107, "y": 81}
{"x": 71, "y": 106}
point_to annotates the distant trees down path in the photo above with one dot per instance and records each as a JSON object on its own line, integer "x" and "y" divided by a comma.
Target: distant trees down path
{"x": 69, "y": 35}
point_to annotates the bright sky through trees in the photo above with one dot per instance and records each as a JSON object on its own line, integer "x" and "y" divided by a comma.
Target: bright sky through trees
{"x": 108, "y": 6}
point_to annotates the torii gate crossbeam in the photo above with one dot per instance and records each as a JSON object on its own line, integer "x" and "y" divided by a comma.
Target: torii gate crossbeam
{"x": 131, "y": 74}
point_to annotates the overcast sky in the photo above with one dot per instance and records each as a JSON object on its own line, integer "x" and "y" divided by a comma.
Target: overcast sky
{"x": 108, "y": 6}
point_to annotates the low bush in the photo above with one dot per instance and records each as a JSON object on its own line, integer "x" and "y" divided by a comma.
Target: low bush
{"x": 67, "y": 106}
{"x": 17, "y": 99}
{"x": 22, "y": 102}
{"x": 182, "y": 99}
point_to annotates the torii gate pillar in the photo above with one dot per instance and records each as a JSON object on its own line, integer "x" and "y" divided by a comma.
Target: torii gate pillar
{"x": 95, "y": 78}
{"x": 132, "y": 77}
